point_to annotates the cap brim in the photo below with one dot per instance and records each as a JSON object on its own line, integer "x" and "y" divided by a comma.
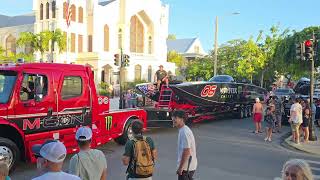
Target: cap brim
{"x": 36, "y": 149}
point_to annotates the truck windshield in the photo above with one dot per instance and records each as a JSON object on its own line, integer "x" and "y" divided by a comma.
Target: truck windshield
{"x": 7, "y": 81}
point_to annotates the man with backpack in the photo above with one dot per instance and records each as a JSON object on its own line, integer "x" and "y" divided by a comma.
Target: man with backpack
{"x": 140, "y": 154}
{"x": 187, "y": 157}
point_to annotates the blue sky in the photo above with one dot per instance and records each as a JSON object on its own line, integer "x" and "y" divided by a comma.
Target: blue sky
{"x": 195, "y": 18}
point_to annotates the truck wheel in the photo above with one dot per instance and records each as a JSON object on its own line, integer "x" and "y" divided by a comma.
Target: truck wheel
{"x": 127, "y": 134}
{"x": 9, "y": 152}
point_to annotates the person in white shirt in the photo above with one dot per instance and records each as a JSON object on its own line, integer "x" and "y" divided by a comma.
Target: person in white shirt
{"x": 50, "y": 157}
{"x": 88, "y": 164}
{"x": 295, "y": 120}
{"x": 187, "y": 157}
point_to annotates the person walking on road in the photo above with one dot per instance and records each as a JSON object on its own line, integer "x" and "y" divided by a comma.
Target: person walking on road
{"x": 270, "y": 120}
{"x": 88, "y": 164}
{"x": 295, "y": 120}
{"x": 296, "y": 169}
{"x": 278, "y": 113}
{"x": 50, "y": 157}
{"x": 257, "y": 115}
{"x": 187, "y": 156}
{"x": 140, "y": 154}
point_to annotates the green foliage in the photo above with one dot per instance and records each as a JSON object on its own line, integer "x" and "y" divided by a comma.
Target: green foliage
{"x": 14, "y": 57}
{"x": 103, "y": 89}
{"x": 1, "y": 50}
{"x": 41, "y": 42}
{"x": 172, "y": 37}
{"x": 179, "y": 60}
{"x": 200, "y": 68}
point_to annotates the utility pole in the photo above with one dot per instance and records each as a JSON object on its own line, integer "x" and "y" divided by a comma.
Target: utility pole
{"x": 215, "y": 47}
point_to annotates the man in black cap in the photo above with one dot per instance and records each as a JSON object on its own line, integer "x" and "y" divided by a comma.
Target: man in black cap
{"x": 161, "y": 76}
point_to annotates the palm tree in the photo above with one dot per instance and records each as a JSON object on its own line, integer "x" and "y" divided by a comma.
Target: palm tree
{"x": 41, "y": 42}
{"x": 28, "y": 39}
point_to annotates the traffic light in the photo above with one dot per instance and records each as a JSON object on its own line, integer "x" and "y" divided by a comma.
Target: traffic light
{"x": 126, "y": 60}
{"x": 300, "y": 51}
{"x": 308, "y": 49}
{"x": 116, "y": 60}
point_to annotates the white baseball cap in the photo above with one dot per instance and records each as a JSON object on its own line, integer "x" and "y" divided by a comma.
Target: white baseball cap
{"x": 52, "y": 150}
{"x": 83, "y": 134}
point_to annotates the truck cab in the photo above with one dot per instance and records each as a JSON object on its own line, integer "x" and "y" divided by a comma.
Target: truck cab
{"x": 41, "y": 101}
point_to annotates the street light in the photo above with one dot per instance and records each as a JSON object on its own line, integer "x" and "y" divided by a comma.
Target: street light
{"x": 216, "y": 43}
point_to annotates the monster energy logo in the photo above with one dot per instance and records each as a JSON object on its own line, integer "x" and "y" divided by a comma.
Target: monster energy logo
{"x": 108, "y": 122}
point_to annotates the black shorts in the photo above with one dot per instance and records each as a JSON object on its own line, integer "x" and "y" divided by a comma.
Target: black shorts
{"x": 305, "y": 122}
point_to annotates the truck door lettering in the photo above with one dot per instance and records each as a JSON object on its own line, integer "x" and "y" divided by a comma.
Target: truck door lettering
{"x": 108, "y": 122}
{"x": 28, "y": 125}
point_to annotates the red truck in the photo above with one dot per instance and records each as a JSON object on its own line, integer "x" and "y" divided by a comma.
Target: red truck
{"x": 40, "y": 101}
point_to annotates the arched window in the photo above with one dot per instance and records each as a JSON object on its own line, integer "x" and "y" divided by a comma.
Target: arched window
{"x": 106, "y": 38}
{"x": 10, "y": 45}
{"x": 196, "y": 49}
{"x": 120, "y": 39}
{"x": 73, "y": 13}
{"x": 150, "y": 45}
{"x": 137, "y": 72}
{"x": 136, "y": 35}
{"x": 64, "y": 10}
{"x": 47, "y": 10}
{"x": 80, "y": 16}
{"x": 53, "y": 9}
{"x": 41, "y": 11}
{"x": 149, "y": 73}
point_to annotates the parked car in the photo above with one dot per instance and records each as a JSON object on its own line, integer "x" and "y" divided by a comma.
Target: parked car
{"x": 284, "y": 92}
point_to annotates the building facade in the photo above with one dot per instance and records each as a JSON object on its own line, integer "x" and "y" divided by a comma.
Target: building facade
{"x": 98, "y": 31}
{"x": 190, "y": 48}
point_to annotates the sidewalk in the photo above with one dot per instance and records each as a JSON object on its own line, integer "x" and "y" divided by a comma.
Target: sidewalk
{"x": 312, "y": 147}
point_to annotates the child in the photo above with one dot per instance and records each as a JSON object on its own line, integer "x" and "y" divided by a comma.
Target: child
{"x": 270, "y": 122}
{"x": 4, "y": 171}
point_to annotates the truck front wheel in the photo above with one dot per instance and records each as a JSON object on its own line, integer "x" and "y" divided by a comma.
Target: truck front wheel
{"x": 9, "y": 152}
{"x": 127, "y": 134}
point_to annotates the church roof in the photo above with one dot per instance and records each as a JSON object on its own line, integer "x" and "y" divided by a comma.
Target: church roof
{"x": 180, "y": 45}
{"x": 104, "y": 3}
{"x": 8, "y": 21}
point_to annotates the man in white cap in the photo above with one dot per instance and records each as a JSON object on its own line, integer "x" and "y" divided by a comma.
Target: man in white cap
{"x": 88, "y": 164}
{"x": 50, "y": 157}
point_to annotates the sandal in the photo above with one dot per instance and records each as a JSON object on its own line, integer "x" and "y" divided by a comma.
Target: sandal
{"x": 255, "y": 132}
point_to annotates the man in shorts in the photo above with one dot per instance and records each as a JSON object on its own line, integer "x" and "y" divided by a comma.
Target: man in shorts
{"x": 295, "y": 120}
{"x": 161, "y": 76}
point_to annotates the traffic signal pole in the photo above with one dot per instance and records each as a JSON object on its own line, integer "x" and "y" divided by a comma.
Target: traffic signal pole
{"x": 121, "y": 104}
{"x": 312, "y": 135}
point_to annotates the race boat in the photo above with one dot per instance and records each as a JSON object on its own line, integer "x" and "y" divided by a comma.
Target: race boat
{"x": 220, "y": 89}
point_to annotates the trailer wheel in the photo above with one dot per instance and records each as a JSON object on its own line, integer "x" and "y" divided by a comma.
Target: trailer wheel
{"x": 127, "y": 133}
{"x": 9, "y": 152}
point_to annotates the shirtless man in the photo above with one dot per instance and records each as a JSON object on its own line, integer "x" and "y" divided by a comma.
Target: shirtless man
{"x": 257, "y": 115}
{"x": 161, "y": 76}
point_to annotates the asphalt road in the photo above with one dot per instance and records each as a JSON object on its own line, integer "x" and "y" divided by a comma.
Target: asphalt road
{"x": 226, "y": 148}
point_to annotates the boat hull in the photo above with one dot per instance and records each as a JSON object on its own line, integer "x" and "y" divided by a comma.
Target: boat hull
{"x": 213, "y": 93}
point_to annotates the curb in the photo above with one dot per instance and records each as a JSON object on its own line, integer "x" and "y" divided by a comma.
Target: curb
{"x": 287, "y": 143}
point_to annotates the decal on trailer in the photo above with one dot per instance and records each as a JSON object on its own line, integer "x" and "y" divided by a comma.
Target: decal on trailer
{"x": 108, "y": 122}
{"x": 209, "y": 91}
